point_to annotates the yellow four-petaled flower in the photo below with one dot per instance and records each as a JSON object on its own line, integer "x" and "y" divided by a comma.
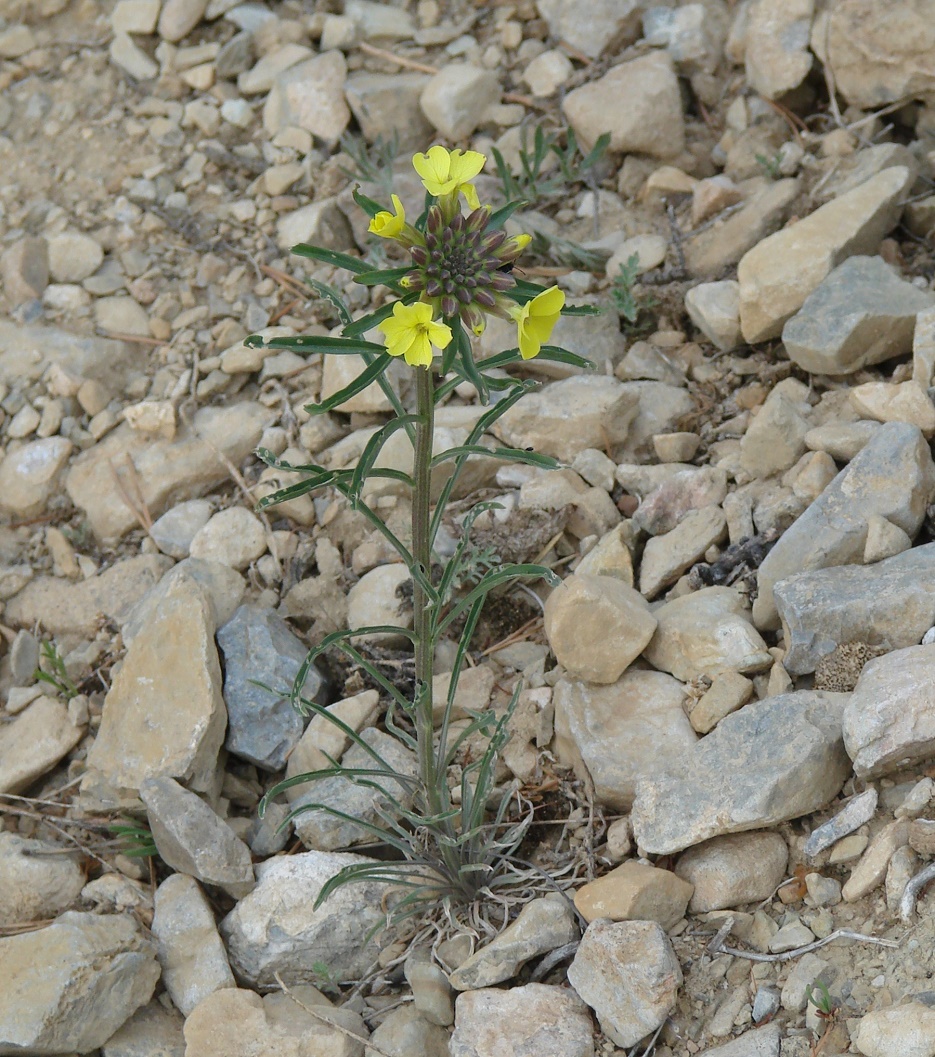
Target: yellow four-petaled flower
{"x": 536, "y": 319}
{"x": 386, "y": 224}
{"x": 411, "y": 332}
{"x": 446, "y": 172}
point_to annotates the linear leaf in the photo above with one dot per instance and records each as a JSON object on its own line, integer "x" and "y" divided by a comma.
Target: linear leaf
{"x": 332, "y": 257}
{"x": 370, "y": 373}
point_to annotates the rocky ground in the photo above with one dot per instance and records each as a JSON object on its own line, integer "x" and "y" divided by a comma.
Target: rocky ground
{"x": 727, "y": 722}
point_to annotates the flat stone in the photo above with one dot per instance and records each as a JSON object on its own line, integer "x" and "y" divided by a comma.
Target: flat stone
{"x": 597, "y": 626}
{"x": 37, "y": 881}
{"x": 323, "y": 224}
{"x": 884, "y": 540}
{"x": 635, "y": 892}
{"x": 651, "y": 123}
{"x": 535, "y": 1020}
{"x": 71, "y": 985}
{"x": 887, "y": 722}
{"x": 165, "y": 471}
{"x": 192, "y": 839}
{"x": 775, "y": 439}
{"x": 890, "y": 603}
{"x": 135, "y": 16}
{"x": 432, "y": 995}
{"x": 667, "y": 557}
{"x": 792, "y": 935}
{"x": 548, "y": 72}
{"x": 541, "y": 926}
{"x": 779, "y": 273}
{"x": 164, "y": 714}
{"x": 31, "y": 475}
{"x": 179, "y": 17}
{"x": 174, "y": 531}
{"x": 193, "y": 960}
{"x": 858, "y": 811}
{"x": 152, "y": 1031}
{"x": 610, "y": 23}
{"x": 276, "y": 929}
{"x": 121, "y": 315}
{"x": 896, "y": 402}
{"x": 24, "y": 268}
{"x": 73, "y": 256}
{"x": 322, "y": 738}
{"x": 714, "y": 308}
{"x": 761, "y": 1042}
{"x": 841, "y": 440}
{"x": 455, "y": 99}
{"x": 262, "y": 76}
{"x": 375, "y": 601}
{"x": 681, "y": 493}
{"x": 34, "y": 742}
{"x": 893, "y": 476}
{"x": 26, "y": 353}
{"x": 614, "y": 734}
{"x": 234, "y": 537}
{"x": 310, "y": 95}
{"x": 907, "y": 1029}
{"x": 732, "y": 870}
{"x": 861, "y": 314}
{"x": 774, "y": 760}
{"x": 65, "y": 607}
{"x": 375, "y": 21}
{"x": 384, "y": 104}
{"x": 728, "y": 691}
{"x": 628, "y": 973}
{"x": 776, "y": 51}
{"x": 871, "y": 869}
{"x": 705, "y": 633}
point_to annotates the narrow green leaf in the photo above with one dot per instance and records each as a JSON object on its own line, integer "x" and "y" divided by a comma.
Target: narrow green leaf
{"x": 331, "y": 295}
{"x": 332, "y": 257}
{"x": 503, "y": 214}
{"x": 368, "y": 205}
{"x": 382, "y": 277}
{"x": 370, "y": 373}
{"x": 530, "y": 458}
{"x": 333, "y": 346}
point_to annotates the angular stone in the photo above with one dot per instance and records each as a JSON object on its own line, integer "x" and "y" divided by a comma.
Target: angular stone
{"x": 174, "y": 531}
{"x": 888, "y": 722}
{"x": 776, "y": 45}
{"x": 263, "y": 727}
{"x": 37, "y": 882}
{"x": 892, "y": 476}
{"x": 890, "y": 604}
{"x": 385, "y": 103}
{"x": 322, "y": 738}
{"x": 729, "y": 871}
{"x": 616, "y": 733}
{"x": 651, "y": 122}
{"x": 192, "y": 839}
{"x": 310, "y": 96}
{"x": 597, "y": 626}
{"x": 861, "y": 314}
{"x": 165, "y": 472}
{"x": 841, "y": 440}
{"x": 26, "y": 353}
{"x": 152, "y": 1031}
{"x": 629, "y": 975}
{"x": 193, "y": 959}
{"x": 728, "y": 692}
{"x": 456, "y": 98}
{"x": 24, "y": 269}
{"x": 432, "y": 995}
{"x": 71, "y": 985}
{"x": 714, "y": 308}
{"x": 704, "y": 633}
{"x": 858, "y": 810}
{"x": 65, "y": 607}
{"x": 896, "y": 402}
{"x": 685, "y": 490}
{"x": 164, "y": 714}
{"x": 773, "y": 760}
{"x": 131, "y": 58}
{"x": 761, "y": 1042}
{"x": 779, "y": 273}
{"x": 570, "y": 415}
{"x": 31, "y": 475}
{"x": 375, "y": 601}
{"x": 884, "y": 540}
{"x": 666, "y": 557}
{"x": 277, "y": 928}
{"x": 907, "y": 1029}
{"x": 534, "y": 1020}
{"x": 775, "y": 439}
{"x": 610, "y": 23}
{"x": 635, "y": 892}
{"x": 179, "y": 17}
{"x": 871, "y": 869}
{"x": 34, "y": 742}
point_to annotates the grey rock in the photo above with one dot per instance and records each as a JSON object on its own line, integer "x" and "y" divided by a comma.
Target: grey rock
{"x": 71, "y": 985}
{"x": 861, "y": 314}
{"x": 890, "y": 604}
{"x": 773, "y": 760}
{"x": 34, "y": 742}
{"x": 235, "y": 57}
{"x": 310, "y": 95}
{"x": 776, "y": 437}
{"x": 536, "y": 1020}
{"x": 893, "y": 476}
{"x": 36, "y": 881}
{"x": 174, "y": 531}
{"x": 766, "y": 1003}
{"x": 853, "y": 815}
{"x": 888, "y": 722}
{"x": 609, "y": 23}
{"x": 431, "y": 992}
{"x": 24, "y": 658}
{"x": 763, "y": 1042}
{"x": 842, "y": 440}
{"x": 666, "y": 557}
{"x": 660, "y": 409}
{"x": 152, "y": 1031}
{"x": 263, "y": 727}
{"x": 628, "y": 973}
{"x": 192, "y": 839}
{"x": 194, "y": 962}
{"x": 277, "y": 928}
{"x": 31, "y": 475}
{"x": 406, "y": 1032}
{"x": 26, "y": 353}
{"x": 776, "y": 52}
{"x": 735, "y": 869}
{"x": 321, "y": 831}
{"x": 541, "y": 926}
{"x": 384, "y": 104}
{"x": 455, "y": 99}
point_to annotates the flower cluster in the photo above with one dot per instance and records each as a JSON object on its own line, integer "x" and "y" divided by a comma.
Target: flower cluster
{"x": 460, "y": 266}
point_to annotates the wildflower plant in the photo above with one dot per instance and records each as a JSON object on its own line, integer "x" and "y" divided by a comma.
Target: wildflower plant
{"x": 448, "y": 849}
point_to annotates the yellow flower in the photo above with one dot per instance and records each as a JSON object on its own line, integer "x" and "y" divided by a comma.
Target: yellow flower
{"x": 536, "y": 319}
{"x": 386, "y": 225}
{"x": 447, "y": 172}
{"x": 411, "y": 332}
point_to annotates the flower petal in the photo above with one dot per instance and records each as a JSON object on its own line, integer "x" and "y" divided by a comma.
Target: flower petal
{"x": 465, "y": 165}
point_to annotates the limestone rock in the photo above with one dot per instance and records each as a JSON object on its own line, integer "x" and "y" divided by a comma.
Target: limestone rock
{"x": 619, "y": 732}
{"x": 890, "y": 603}
{"x": 73, "y": 256}
{"x": 455, "y": 99}
{"x": 263, "y": 727}
{"x": 174, "y": 531}
{"x": 71, "y": 985}
{"x": 776, "y": 437}
{"x": 36, "y": 881}
{"x": 610, "y": 23}
{"x": 776, "y": 45}
{"x": 884, "y": 540}
{"x": 779, "y": 273}
{"x": 192, "y": 839}
{"x": 384, "y": 104}
{"x": 406, "y": 1031}
{"x": 635, "y": 892}
{"x": 310, "y": 95}
{"x": 34, "y": 742}
{"x": 179, "y": 17}
{"x": 685, "y": 490}
{"x": 892, "y": 476}
{"x": 629, "y": 975}
{"x": 322, "y": 738}
{"x": 650, "y": 123}
{"x": 541, "y": 926}
{"x": 761, "y": 1042}
{"x": 164, "y": 714}
{"x": 570, "y": 415}
{"x": 704, "y": 633}
{"x": 31, "y": 475}
{"x": 896, "y": 402}
{"x": 597, "y": 626}
{"x": 887, "y": 722}
{"x": 728, "y": 691}
{"x": 234, "y": 537}
{"x": 152, "y": 1031}
{"x": 872, "y": 867}
{"x": 732, "y": 870}
{"x": 907, "y": 1029}
{"x": 773, "y": 760}
{"x": 666, "y": 557}
{"x": 714, "y": 308}
{"x": 535, "y": 1019}
{"x": 375, "y": 601}
{"x": 193, "y": 959}
{"x": 861, "y": 314}
{"x": 277, "y": 928}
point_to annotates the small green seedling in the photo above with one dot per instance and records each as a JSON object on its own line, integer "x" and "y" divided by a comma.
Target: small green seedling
{"x": 52, "y": 670}
{"x": 770, "y": 166}
{"x": 625, "y": 299}
{"x": 538, "y": 180}
{"x": 818, "y": 995}
{"x": 138, "y": 841}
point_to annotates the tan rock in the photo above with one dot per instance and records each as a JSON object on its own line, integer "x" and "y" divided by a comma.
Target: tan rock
{"x": 871, "y": 869}
{"x": 31, "y": 475}
{"x": 884, "y": 539}
{"x": 896, "y": 402}
{"x": 728, "y": 692}
{"x": 735, "y": 869}
{"x": 30, "y": 746}
{"x": 781, "y": 271}
{"x": 666, "y": 557}
{"x": 776, "y": 45}
{"x": 775, "y": 438}
{"x": 36, "y": 880}
{"x": 322, "y": 738}
{"x": 597, "y": 626}
{"x": 635, "y": 892}
{"x": 610, "y": 556}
